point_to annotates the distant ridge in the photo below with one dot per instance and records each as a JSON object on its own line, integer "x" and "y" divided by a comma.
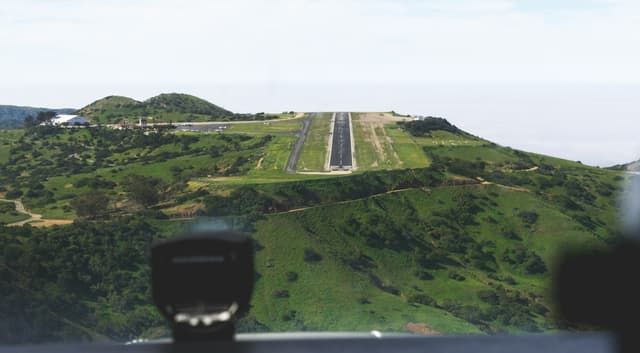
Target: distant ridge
{"x": 12, "y": 116}
{"x": 165, "y": 107}
{"x": 629, "y": 167}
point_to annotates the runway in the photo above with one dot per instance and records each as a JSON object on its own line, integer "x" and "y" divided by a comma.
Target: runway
{"x": 341, "y": 158}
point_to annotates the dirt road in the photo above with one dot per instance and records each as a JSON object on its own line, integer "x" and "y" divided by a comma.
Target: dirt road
{"x": 34, "y": 217}
{"x": 20, "y": 208}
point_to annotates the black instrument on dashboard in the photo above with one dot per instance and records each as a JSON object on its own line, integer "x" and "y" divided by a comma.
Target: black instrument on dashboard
{"x": 202, "y": 282}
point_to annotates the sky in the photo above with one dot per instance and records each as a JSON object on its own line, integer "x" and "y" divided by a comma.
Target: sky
{"x": 540, "y": 75}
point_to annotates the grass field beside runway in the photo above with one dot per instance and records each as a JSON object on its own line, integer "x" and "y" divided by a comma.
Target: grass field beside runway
{"x": 265, "y": 128}
{"x": 314, "y": 151}
{"x": 381, "y": 144}
{"x": 409, "y": 151}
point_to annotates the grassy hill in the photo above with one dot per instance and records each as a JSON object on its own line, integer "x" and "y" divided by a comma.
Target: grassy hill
{"x": 438, "y": 229}
{"x": 166, "y": 107}
{"x": 12, "y": 117}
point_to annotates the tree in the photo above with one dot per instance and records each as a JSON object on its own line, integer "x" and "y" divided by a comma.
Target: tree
{"x": 91, "y": 204}
{"x": 142, "y": 189}
{"x": 29, "y": 122}
{"x": 44, "y": 116}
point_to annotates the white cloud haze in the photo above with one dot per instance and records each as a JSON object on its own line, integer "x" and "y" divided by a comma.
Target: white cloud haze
{"x": 192, "y": 41}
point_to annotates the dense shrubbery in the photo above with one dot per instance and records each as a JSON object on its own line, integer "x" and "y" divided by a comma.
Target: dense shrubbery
{"x": 510, "y": 307}
{"x": 144, "y": 190}
{"x": 529, "y": 260}
{"x": 44, "y": 152}
{"x": 91, "y": 204}
{"x": 268, "y": 198}
{"x": 424, "y": 127}
{"x": 95, "y": 274}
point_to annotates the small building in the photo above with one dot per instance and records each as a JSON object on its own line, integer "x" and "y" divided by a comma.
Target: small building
{"x": 69, "y": 120}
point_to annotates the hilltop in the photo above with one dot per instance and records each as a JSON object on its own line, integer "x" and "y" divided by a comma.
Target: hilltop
{"x": 166, "y": 107}
{"x": 12, "y": 116}
{"x": 436, "y": 227}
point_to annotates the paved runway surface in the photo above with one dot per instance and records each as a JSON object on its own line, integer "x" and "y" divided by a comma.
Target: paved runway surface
{"x": 341, "y": 146}
{"x": 297, "y": 148}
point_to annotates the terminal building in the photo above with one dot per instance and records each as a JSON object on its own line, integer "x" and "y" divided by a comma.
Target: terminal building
{"x": 69, "y": 120}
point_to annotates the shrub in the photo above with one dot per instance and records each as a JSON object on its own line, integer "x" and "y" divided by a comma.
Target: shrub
{"x": 311, "y": 256}
{"x": 529, "y": 218}
{"x": 422, "y": 299}
{"x": 535, "y": 265}
{"x": 488, "y": 296}
{"x": 290, "y": 315}
{"x": 424, "y": 275}
{"x": 378, "y": 283}
{"x": 13, "y": 194}
{"x": 456, "y": 276}
{"x": 281, "y": 293}
{"x": 292, "y": 276}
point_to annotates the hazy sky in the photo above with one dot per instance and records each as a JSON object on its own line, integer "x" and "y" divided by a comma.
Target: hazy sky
{"x": 574, "y": 61}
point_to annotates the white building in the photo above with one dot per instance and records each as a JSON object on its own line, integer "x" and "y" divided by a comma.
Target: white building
{"x": 67, "y": 119}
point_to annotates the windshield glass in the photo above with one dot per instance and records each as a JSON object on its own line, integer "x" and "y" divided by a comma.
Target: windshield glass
{"x": 400, "y": 166}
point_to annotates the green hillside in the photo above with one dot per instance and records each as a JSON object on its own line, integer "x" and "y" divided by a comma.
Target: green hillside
{"x": 456, "y": 234}
{"x": 184, "y": 103}
{"x": 12, "y": 117}
{"x": 166, "y": 107}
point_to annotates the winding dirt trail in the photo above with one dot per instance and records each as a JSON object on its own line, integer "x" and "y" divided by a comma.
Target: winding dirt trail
{"x": 33, "y": 217}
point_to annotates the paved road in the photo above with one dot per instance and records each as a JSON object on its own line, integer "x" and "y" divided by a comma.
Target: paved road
{"x": 297, "y": 148}
{"x": 341, "y": 147}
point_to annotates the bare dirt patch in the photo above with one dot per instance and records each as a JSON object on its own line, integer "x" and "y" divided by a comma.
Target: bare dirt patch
{"x": 382, "y": 118}
{"x": 185, "y": 211}
{"x": 50, "y": 222}
{"x": 421, "y": 328}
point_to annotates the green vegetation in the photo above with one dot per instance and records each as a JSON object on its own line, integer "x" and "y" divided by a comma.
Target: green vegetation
{"x": 49, "y": 167}
{"x": 91, "y": 204}
{"x": 85, "y": 281}
{"x": 8, "y": 213}
{"x": 7, "y": 139}
{"x": 166, "y": 107}
{"x": 421, "y": 128}
{"x": 12, "y": 117}
{"x": 287, "y": 126}
{"x": 408, "y": 150}
{"x": 455, "y": 233}
{"x": 373, "y": 150}
{"x": 380, "y": 248}
{"x": 381, "y": 143}
{"x": 314, "y": 151}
